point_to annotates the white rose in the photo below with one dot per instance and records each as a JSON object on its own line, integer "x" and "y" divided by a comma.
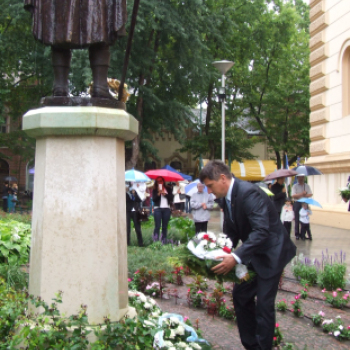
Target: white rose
{"x": 172, "y": 334}
{"x": 336, "y": 333}
{"x": 180, "y": 330}
{"x": 142, "y": 297}
{"x": 341, "y": 327}
{"x": 211, "y": 235}
{"x": 228, "y": 243}
{"x": 168, "y": 344}
{"x": 195, "y": 346}
{"x": 16, "y": 237}
{"x": 221, "y": 242}
{"x": 181, "y": 344}
{"x": 148, "y": 323}
{"x": 172, "y": 348}
{"x": 212, "y": 245}
{"x": 152, "y": 301}
{"x": 147, "y": 306}
{"x": 201, "y": 235}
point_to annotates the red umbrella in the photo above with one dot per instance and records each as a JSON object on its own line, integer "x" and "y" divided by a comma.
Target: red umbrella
{"x": 280, "y": 173}
{"x": 166, "y": 174}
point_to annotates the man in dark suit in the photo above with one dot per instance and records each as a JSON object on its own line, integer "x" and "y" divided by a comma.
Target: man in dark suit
{"x": 133, "y": 204}
{"x": 266, "y": 248}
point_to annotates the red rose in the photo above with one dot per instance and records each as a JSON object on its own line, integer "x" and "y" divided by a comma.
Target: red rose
{"x": 274, "y": 338}
{"x": 227, "y": 250}
{"x": 206, "y": 237}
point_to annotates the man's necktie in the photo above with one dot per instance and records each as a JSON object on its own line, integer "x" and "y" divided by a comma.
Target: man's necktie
{"x": 228, "y": 203}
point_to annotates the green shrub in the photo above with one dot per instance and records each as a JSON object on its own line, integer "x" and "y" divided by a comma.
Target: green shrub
{"x": 14, "y": 242}
{"x": 14, "y": 276}
{"x": 332, "y": 276}
{"x": 12, "y": 305}
{"x": 306, "y": 272}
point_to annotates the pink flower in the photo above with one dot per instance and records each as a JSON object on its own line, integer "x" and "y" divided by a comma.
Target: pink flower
{"x": 277, "y": 325}
{"x": 305, "y": 290}
{"x": 348, "y": 327}
{"x": 296, "y": 298}
{"x": 223, "y": 300}
{"x": 136, "y": 272}
{"x": 188, "y": 290}
{"x": 200, "y": 292}
{"x": 339, "y": 289}
{"x": 345, "y": 296}
{"x": 321, "y": 313}
{"x": 185, "y": 318}
{"x": 284, "y": 300}
{"x": 129, "y": 279}
{"x": 274, "y": 338}
{"x": 323, "y": 290}
{"x": 292, "y": 302}
{"x": 334, "y": 296}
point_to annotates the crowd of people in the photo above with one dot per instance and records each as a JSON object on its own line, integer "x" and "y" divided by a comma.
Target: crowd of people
{"x": 163, "y": 199}
{"x": 9, "y": 197}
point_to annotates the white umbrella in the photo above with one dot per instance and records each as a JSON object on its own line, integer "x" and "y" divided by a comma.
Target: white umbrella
{"x": 191, "y": 188}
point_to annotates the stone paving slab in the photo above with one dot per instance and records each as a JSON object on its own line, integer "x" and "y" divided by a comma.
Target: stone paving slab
{"x": 223, "y": 334}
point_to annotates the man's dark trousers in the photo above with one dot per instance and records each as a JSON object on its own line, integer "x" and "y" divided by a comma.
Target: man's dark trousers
{"x": 256, "y": 320}
{"x": 201, "y": 226}
{"x": 133, "y": 215}
{"x": 296, "y": 209}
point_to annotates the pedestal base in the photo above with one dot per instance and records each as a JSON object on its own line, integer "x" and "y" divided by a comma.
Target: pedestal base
{"x": 79, "y": 225}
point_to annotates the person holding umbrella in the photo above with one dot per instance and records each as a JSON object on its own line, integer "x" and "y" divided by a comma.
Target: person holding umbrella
{"x": 299, "y": 190}
{"x": 162, "y": 196}
{"x": 279, "y": 191}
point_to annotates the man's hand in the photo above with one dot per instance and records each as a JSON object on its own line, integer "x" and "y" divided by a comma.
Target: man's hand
{"x": 204, "y": 206}
{"x": 226, "y": 265}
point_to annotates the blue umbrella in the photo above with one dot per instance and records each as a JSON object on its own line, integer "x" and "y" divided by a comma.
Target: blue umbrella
{"x": 309, "y": 201}
{"x": 136, "y": 176}
{"x": 191, "y": 188}
{"x": 186, "y": 177}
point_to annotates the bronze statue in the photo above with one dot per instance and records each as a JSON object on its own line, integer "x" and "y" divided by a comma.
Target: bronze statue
{"x": 76, "y": 24}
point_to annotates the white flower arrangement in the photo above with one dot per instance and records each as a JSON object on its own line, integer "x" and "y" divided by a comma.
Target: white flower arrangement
{"x": 206, "y": 246}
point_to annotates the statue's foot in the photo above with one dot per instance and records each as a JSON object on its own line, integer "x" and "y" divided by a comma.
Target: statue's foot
{"x": 60, "y": 90}
{"x": 100, "y": 91}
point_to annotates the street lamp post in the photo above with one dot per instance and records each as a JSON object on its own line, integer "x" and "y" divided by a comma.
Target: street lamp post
{"x": 223, "y": 67}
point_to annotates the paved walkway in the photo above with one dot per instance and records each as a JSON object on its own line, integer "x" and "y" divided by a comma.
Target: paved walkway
{"x": 223, "y": 334}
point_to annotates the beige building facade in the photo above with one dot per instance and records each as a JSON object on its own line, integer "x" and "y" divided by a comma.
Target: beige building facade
{"x": 330, "y": 108}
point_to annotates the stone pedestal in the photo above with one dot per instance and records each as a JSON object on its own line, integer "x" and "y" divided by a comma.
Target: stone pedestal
{"x": 79, "y": 226}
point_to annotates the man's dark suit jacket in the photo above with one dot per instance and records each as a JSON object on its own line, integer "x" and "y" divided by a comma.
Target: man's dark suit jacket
{"x": 266, "y": 243}
{"x": 132, "y": 204}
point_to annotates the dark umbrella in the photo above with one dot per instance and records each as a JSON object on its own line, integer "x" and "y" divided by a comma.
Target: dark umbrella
{"x": 280, "y": 173}
{"x": 307, "y": 170}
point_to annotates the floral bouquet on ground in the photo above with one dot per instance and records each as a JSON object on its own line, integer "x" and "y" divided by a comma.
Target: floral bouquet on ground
{"x": 200, "y": 256}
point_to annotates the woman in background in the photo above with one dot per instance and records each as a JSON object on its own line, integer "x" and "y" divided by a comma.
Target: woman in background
{"x": 162, "y": 196}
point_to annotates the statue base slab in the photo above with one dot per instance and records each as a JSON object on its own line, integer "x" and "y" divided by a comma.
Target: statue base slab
{"x": 82, "y": 101}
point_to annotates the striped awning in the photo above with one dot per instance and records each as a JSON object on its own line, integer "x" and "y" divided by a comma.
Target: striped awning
{"x": 251, "y": 170}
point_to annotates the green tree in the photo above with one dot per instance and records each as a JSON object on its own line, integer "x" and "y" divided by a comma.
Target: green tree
{"x": 274, "y": 86}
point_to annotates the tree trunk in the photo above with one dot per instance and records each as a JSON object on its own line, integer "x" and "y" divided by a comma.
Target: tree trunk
{"x": 131, "y": 163}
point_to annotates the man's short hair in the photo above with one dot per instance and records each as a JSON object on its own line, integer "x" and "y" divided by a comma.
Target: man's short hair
{"x": 213, "y": 170}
